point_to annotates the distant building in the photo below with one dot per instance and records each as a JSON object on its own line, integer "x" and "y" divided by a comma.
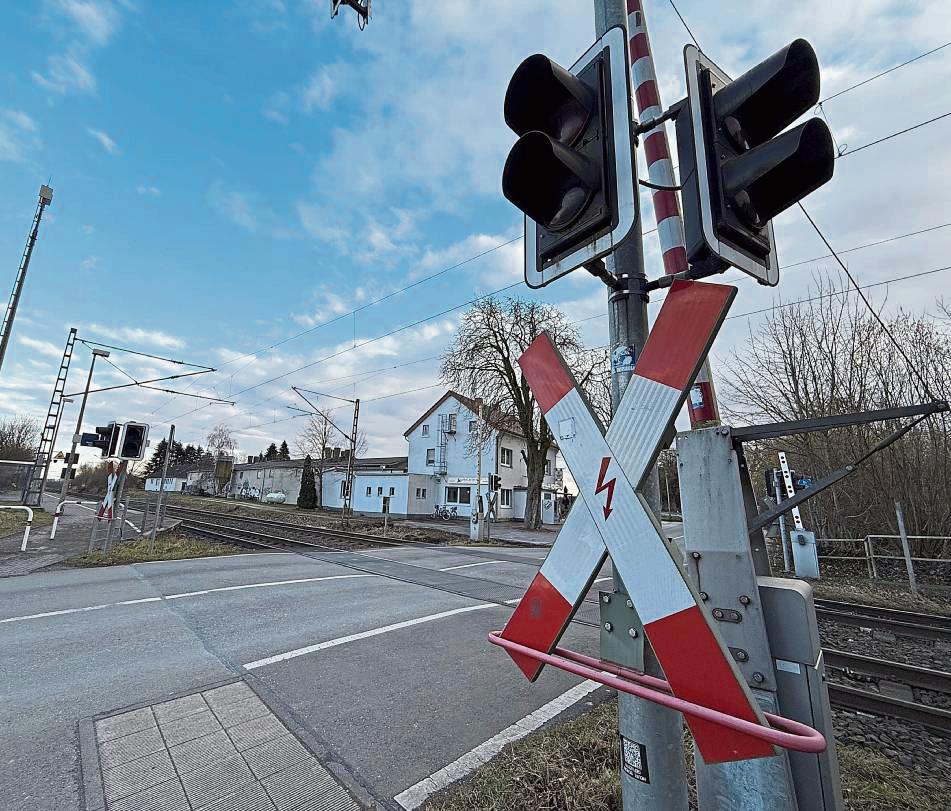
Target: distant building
{"x": 440, "y": 468}
{"x": 175, "y": 481}
{"x": 444, "y": 462}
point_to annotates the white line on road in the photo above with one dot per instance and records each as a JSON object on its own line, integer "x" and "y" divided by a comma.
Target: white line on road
{"x": 179, "y": 596}
{"x": 385, "y": 629}
{"x": 468, "y": 565}
{"x": 416, "y": 795}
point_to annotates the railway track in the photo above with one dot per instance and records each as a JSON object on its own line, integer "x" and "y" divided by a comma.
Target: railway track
{"x": 904, "y": 623}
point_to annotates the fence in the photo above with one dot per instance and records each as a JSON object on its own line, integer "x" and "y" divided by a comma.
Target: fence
{"x": 14, "y": 477}
{"x": 881, "y": 557}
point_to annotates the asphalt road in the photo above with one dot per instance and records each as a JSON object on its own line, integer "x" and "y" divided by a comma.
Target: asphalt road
{"x": 395, "y": 705}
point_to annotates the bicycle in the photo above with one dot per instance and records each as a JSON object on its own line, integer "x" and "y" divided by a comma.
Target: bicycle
{"x": 445, "y": 513}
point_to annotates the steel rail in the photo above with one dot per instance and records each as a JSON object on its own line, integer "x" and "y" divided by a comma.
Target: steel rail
{"x": 877, "y": 704}
{"x": 912, "y": 675}
{"x": 936, "y": 620}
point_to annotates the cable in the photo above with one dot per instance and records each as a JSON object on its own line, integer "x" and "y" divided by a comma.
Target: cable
{"x": 684, "y": 23}
{"x": 911, "y": 367}
{"x": 359, "y": 345}
{"x": 146, "y": 355}
{"x": 883, "y": 73}
{"x": 356, "y": 310}
{"x": 893, "y": 135}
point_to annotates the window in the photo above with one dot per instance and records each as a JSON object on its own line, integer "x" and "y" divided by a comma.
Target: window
{"x": 425, "y": 430}
{"x": 343, "y": 489}
{"x": 430, "y": 456}
{"x": 369, "y": 491}
{"x": 505, "y": 498}
{"x": 548, "y": 467}
{"x": 505, "y": 457}
{"x": 241, "y": 475}
{"x": 452, "y": 423}
{"x": 392, "y": 491}
{"x": 458, "y": 495}
{"x": 379, "y": 491}
{"x": 472, "y": 426}
{"x": 420, "y": 492}
{"x": 270, "y": 474}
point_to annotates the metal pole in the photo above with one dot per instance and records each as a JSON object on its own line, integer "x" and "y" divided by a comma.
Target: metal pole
{"x": 702, "y": 403}
{"x": 348, "y": 494}
{"x": 79, "y": 423}
{"x": 120, "y": 490}
{"x": 46, "y": 197}
{"x": 658, "y": 730}
{"x": 782, "y": 526}
{"x": 161, "y": 489}
{"x": 906, "y": 551}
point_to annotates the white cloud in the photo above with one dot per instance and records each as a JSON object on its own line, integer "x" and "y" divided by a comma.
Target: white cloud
{"x": 89, "y": 263}
{"x": 137, "y": 335}
{"x": 107, "y": 143}
{"x": 21, "y": 120}
{"x": 151, "y": 191}
{"x": 329, "y": 304}
{"x": 66, "y": 73}
{"x": 96, "y": 20}
{"x": 323, "y": 86}
{"x": 43, "y": 347}
{"x": 236, "y": 206}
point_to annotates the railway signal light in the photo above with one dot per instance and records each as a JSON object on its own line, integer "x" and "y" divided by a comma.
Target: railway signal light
{"x": 133, "y": 442}
{"x": 495, "y": 482}
{"x": 106, "y": 439}
{"x": 740, "y": 169}
{"x": 571, "y": 172}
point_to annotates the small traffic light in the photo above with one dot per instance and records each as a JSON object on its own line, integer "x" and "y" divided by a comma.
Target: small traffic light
{"x": 738, "y": 170}
{"x": 495, "y": 482}
{"x": 106, "y": 439}
{"x": 571, "y": 172}
{"x": 133, "y": 442}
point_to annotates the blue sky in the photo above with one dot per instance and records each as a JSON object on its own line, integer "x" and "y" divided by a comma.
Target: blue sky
{"x": 228, "y": 174}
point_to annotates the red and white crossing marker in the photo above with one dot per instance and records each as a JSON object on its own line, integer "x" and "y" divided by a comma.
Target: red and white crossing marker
{"x": 614, "y": 518}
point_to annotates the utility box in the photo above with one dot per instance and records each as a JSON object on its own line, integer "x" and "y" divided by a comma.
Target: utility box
{"x": 790, "y": 616}
{"x": 805, "y": 553}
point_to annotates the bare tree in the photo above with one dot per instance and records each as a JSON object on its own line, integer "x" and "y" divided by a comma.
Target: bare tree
{"x": 318, "y": 439}
{"x": 481, "y": 363}
{"x": 220, "y": 441}
{"x": 830, "y": 356}
{"x": 19, "y": 438}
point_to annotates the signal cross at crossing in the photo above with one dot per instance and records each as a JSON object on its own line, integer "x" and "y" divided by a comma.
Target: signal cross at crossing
{"x": 613, "y": 518}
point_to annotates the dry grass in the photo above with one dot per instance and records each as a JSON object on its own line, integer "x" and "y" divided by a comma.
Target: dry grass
{"x": 574, "y": 767}
{"x": 870, "y": 592}
{"x": 12, "y": 521}
{"x": 168, "y": 546}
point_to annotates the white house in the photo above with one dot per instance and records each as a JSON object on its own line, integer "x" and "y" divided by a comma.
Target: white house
{"x": 443, "y": 459}
{"x": 175, "y": 480}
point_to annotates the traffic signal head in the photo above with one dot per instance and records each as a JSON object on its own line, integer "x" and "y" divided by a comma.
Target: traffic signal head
{"x": 495, "y": 482}
{"x": 571, "y": 172}
{"x": 108, "y": 439}
{"x": 740, "y": 169}
{"x": 133, "y": 441}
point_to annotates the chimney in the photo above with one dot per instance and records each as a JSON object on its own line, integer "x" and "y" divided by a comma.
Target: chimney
{"x": 336, "y": 453}
{"x": 345, "y": 453}
{"x": 250, "y": 460}
{"x": 328, "y": 453}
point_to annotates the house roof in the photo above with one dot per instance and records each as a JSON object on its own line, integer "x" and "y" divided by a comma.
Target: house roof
{"x": 175, "y": 472}
{"x": 498, "y": 420}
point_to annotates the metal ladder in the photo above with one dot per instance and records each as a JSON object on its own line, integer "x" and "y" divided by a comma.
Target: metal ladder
{"x": 33, "y": 495}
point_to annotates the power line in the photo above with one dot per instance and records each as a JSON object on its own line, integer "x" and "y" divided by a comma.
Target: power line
{"x": 883, "y": 73}
{"x": 889, "y": 137}
{"x": 684, "y": 23}
{"x": 911, "y": 367}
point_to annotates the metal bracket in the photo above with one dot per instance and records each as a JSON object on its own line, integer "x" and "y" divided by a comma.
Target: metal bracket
{"x": 622, "y": 633}
{"x": 599, "y": 270}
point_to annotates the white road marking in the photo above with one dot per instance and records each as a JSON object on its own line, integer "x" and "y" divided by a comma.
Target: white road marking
{"x": 179, "y": 596}
{"x": 416, "y": 795}
{"x": 469, "y": 565}
{"x": 385, "y": 629}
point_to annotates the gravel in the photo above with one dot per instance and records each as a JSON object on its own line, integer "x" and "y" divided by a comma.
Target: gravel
{"x": 881, "y": 645}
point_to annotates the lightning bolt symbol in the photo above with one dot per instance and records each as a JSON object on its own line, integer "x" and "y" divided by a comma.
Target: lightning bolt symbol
{"x": 605, "y": 485}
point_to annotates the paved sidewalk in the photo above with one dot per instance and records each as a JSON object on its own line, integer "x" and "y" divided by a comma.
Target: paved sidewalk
{"x": 217, "y": 750}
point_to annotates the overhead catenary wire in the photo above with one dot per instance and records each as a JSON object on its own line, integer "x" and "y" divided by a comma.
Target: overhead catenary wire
{"x": 882, "y": 140}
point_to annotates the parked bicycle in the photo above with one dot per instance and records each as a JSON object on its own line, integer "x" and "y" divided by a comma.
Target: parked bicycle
{"x": 446, "y": 513}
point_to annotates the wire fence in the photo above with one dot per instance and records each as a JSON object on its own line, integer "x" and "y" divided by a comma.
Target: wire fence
{"x": 882, "y": 557}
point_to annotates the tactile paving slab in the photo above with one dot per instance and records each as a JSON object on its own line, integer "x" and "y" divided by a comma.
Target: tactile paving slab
{"x": 217, "y": 750}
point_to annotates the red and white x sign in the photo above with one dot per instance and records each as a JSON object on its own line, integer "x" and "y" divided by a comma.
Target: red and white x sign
{"x": 612, "y": 517}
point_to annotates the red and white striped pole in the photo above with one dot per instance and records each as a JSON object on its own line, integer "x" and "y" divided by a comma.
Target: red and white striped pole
{"x": 702, "y": 403}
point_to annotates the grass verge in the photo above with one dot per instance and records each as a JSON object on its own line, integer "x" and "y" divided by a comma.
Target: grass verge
{"x": 15, "y": 520}
{"x": 574, "y": 767}
{"x": 168, "y": 546}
